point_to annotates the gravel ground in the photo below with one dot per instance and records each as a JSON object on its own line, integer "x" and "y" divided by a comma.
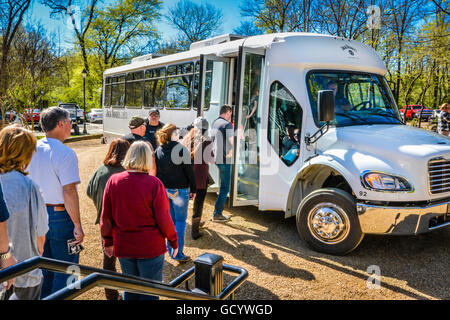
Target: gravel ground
{"x": 279, "y": 263}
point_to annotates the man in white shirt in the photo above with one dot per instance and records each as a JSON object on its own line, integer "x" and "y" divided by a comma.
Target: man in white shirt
{"x": 54, "y": 168}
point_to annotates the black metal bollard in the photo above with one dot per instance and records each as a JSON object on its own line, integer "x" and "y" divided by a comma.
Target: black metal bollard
{"x": 209, "y": 274}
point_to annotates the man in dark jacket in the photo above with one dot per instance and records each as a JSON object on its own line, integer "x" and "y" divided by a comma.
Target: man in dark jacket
{"x": 152, "y": 124}
{"x": 137, "y": 130}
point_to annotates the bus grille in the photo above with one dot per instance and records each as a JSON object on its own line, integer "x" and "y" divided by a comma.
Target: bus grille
{"x": 439, "y": 175}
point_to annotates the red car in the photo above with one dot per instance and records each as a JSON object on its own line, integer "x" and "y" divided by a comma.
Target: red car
{"x": 36, "y": 114}
{"x": 413, "y": 111}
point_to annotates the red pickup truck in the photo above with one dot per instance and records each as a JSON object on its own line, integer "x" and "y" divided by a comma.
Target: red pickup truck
{"x": 413, "y": 111}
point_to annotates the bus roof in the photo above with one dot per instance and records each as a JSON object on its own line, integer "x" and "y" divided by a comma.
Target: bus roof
{"x": 313, "y": 51}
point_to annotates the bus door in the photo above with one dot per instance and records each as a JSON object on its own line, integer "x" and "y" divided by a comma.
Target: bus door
{"x": 215, "y": 91}
{"x": 249, "y": 93}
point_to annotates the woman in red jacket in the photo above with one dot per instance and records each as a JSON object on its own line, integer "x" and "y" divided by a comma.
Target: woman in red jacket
{"x": 135, "y": 220}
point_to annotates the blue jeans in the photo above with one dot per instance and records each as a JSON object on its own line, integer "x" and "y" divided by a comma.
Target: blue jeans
{"x": 178, "y": 201}
{"x": 151, "y": 269}
{"x": 55, "y": 247}
{"x": 225, "y": 182}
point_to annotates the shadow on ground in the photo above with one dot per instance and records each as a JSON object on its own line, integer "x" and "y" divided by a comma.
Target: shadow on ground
{"x": 421, "y": 261}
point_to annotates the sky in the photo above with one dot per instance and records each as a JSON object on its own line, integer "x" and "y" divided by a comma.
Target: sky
{"x": 61, "y": 28}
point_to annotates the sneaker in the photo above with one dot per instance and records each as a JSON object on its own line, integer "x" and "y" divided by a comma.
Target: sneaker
{"x": 220, "y": 218}
{"x": 183, "y": 259}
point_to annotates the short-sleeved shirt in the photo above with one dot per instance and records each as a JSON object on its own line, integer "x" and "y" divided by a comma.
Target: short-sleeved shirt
{"x": 4, "y": 213}
{"x": 28, "y": 221}
{"x": 221, "y": 131}
{"x": 150, "y": 133}
{"x": 53, "y": 166}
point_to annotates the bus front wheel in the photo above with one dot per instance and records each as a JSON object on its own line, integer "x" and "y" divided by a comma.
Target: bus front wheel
{"x": 328, "y": 222}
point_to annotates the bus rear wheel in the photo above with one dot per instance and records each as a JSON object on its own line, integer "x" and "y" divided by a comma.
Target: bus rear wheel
{"x": 328, "y": 222}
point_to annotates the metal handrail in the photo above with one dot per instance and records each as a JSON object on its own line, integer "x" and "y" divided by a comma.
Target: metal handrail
{"x": 94, "y": 277}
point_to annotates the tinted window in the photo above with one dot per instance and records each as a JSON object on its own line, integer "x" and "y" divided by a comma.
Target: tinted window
{"x": 359, "y": 98}
{"x": 155, "y": 93}
{"x": 285, "y": 123}
{"x": 179, "y": 92}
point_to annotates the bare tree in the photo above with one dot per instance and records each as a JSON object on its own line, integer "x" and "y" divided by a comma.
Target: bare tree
{"x": 280, "y": 15}
{"x": 247, "y": 28}
{"x": 342, "y": 18}
{"x": 117, "y": 27}
{"x": 11, "y": 15}
{"x": 67, "y": 8}
{"x": 194, "y": 22}
{"x": 404, "y": 15}
{"x": 442, "y": 5}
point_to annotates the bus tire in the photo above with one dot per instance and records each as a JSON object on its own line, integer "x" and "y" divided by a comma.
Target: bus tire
{"x": 328, "y": 222}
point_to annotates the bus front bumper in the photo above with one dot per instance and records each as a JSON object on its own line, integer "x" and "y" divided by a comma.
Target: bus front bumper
{"x": 377, "y": 219}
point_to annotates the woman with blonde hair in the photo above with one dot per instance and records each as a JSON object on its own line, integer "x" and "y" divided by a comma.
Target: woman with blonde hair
{"x": 28, "y": 221}
{"x": 177, "y": 174}
{"x": 135, "y": 220}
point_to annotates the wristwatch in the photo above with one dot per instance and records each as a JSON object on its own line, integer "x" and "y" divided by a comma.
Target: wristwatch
{"x": 6, "y": 255}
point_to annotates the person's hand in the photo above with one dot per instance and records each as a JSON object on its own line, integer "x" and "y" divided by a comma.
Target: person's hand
{"x": 191, "y": 196}
{"x": 6, "y": 264}
{"x": 174, "y": 252}
{"x": 78, "y": 234}
{"x": 109, "y": 251}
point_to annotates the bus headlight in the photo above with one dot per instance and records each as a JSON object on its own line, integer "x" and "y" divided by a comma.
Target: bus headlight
{"x": 384, "y": 182}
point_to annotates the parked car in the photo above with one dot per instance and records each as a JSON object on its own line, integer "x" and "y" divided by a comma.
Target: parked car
{"x": 75, "y": 109}
{"x": 32, "y": 113}
{"x": 413, "y": 111}
{"x": 96, "y": 115}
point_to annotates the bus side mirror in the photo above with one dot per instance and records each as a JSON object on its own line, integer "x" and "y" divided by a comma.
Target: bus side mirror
{"x": 325, "y": 103}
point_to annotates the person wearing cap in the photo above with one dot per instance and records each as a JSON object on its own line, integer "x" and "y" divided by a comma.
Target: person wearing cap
{"x": 152, "y": 125}
{"x": 199, "y": 144}
{"x": 137, "y": 133}
{"x": 137, "y": 130}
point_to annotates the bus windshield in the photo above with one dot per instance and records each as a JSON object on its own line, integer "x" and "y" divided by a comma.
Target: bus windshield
{"x": 359, "y": 98}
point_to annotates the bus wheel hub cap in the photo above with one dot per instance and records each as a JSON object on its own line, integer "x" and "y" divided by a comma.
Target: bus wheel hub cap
{"x": 327, "y": 223}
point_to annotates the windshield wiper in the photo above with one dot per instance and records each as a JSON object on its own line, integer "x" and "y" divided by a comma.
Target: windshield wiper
{"x": 352, "y": 117}
{"x": 385, "y": 113}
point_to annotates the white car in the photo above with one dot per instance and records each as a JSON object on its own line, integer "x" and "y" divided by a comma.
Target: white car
{"x": 96, "y": 115}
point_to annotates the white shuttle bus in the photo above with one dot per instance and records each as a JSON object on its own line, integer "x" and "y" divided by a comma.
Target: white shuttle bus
{"x": 328, "y": 144}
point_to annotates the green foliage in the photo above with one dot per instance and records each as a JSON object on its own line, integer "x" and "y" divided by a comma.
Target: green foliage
{"x": 69, "y": 85}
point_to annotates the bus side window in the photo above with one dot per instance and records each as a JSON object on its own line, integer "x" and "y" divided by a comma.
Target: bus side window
{"x": 179, "y": 90}
{"x": 118, "y": 91}
{"x": 285, "y": 121}
{"x": 155, "y": 88}
{"x": 107, "y": 96}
